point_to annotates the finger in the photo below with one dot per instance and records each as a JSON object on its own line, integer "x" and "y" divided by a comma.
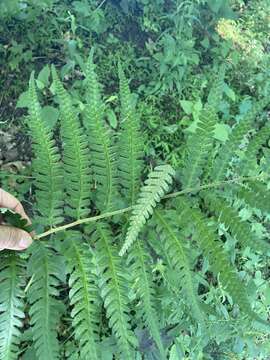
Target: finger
{"x": 9, "y": 201}
{"x": 13, "y": 238}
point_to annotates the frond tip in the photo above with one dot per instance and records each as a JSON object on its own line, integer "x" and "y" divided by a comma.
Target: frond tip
{"x": 47, "y": 168}
{"x": 155, "y": 187}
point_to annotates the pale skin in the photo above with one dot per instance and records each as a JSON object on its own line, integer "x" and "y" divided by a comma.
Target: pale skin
{"x": 11, "y": 237}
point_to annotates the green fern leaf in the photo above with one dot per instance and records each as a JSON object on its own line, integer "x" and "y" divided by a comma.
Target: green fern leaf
{"x": 256, "y": 195}
{"x": 168, "y": 229}
{"x": 216, "y": 91}
{"x": 103, "y": 162}
{"x": 83, "y": 294}
{"x": 241, "y": 230}
{"x": 221, "y": 163}
{"x": 46, "y": 166}
{"x": 250, "y": 156}
{"x": 155, "y": 187}
{"x": 46, "y": 270}
{"x": 70, "y": 351}
{"x": 200, "y": 144}
{"x": 12, "y": 274}
{"x": 198, "y": 147}
{"x": 75, "y": 155}
{"x": 130, "y": 148}
{"x": 113, "y": 285}
{"x": 208, "y": 241}
{"x": 138, "y": 261}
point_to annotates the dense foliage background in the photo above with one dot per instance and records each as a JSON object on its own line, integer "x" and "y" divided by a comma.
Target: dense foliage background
{"x": 170, "y": 50}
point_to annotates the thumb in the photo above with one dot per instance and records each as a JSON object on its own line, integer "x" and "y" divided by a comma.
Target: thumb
{"x": 13, "y": 238}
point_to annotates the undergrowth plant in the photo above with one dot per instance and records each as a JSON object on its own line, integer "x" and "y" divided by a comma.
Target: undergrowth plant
{"x": 117, "y": 274}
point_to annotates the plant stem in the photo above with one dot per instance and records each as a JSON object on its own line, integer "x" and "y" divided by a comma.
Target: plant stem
{"x": 169, "y": 196}
{"x": 82, "y": 221}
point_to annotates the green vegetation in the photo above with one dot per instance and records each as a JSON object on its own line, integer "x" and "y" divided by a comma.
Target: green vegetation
{"x": 147, "y": 180}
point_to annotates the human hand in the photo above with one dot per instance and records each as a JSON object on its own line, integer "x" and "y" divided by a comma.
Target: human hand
{"x": 11, "y": 237}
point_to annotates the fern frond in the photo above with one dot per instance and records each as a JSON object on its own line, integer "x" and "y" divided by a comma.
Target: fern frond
{"x": 75, "y": 155}
{"x": 70, "y": 351}
{"x": 113, "y": 285}
{"x": 168, "y": 229}
{"x": 240, "y": 230}
{"x": 250, "y": 155}
{"x": 130, "y": 148}
{"x": 215, "y": 94}
{"x": 83, "y": 294}
{"x": 198, "y": 147}
{"x": 139, "y": 265}
{"x": 46, "y": 164}
{"x": 200, "y": 143}
{"x": 256, "y": 195}
{"x": 155, "y": 187}
{"x": 209, "y": 243}
{"x": 46, "y": 270}
{"x": 12, "y": 271}
{"x": 127, "y": 107}
{"x": 227, "y": 151}
{"x": 103, "y": 163}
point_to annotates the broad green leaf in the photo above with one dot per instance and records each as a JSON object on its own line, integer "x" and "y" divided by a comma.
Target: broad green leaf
{"x": 222, "y": 132}
{"x": 187, "y": 106}
{"x": 50, "y": 115}
{"x": 112, "y": 118}
{"x": 43, "y": 77}
{"x": 229, "y": 92}
{"x": 23, "y": 101}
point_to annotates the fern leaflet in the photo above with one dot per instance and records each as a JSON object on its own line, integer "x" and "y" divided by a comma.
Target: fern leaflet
{"x": 113, "y": 285}
{"x": 75, "y": 157}
{"x": 212, "y": 249}
{"x": 221, "y": 163}
{"x": 215, "y": 94}
{"x": 200, "y": 144}
{"x": 46, "y": 269}
{"x": 47, "y": 169}
{"x": 103, "y": 161}
{"x": 138, "y": 261}
{"x": 130, "y": 146}
{"x": 155, "y": 187}
{"x": 83, "y": 294}
{"x": 167, "y": 228}
{"x": 240, "y": 229}
{"x": 256, "y": 195}
{"x": 250, "y": 155}
{"x": 11, "y": 305}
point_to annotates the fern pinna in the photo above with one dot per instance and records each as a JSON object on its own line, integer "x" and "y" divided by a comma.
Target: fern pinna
{"x": 107, "y": 288}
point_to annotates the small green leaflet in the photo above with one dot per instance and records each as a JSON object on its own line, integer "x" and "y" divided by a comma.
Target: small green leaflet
{"x": 14, "y": 219}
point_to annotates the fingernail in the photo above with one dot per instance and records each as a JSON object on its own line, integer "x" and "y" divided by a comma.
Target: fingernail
{"x": 25, "y": 242}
